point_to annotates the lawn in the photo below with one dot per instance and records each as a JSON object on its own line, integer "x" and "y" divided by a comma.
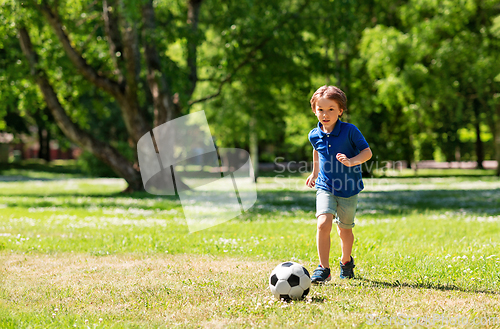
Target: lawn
{"x": 74, "y": 252}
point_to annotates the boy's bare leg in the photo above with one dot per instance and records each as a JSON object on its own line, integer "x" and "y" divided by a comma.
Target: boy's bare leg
{"x": 323, "y": 238}
{"x": 346, "y": 242}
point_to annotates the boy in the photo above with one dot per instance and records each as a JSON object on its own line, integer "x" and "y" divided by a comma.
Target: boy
{"x": 339, "y": 150}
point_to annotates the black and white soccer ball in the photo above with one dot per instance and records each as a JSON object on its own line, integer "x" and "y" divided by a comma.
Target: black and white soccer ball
{"x": 290, "y": 280}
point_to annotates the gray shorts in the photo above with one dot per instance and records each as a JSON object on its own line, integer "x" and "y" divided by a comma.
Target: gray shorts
{"x": 344, "y": 209}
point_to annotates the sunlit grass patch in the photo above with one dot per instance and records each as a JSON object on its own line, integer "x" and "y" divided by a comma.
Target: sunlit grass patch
{"x": 61, "y": 187}
{"x": 206, "y": 291}
{"x": 423, "y": 245}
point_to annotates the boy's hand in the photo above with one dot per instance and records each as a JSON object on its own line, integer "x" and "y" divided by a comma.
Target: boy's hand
{"x": 311, "y": 180}
{"x": 344, "y": 159}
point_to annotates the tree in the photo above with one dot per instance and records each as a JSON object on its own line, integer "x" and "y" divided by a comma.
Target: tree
{"x": 439, "y": 66}
{"x": 107, "y": 44}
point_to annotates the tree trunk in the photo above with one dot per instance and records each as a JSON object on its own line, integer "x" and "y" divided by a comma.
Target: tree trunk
{"x": 497, "y": 139}
{"x": 47, "y": 146}
{"x": 479, "y": 142}
{"x": 41, "y": 138}
{"x": 43, "y": 135}
{"x": 166, "y": 106}
{"x": 254, "y": 150}
{"x": 43, "y": 143}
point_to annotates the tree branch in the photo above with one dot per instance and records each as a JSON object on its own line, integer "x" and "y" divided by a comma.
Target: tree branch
{"x": 87, "y": 18}
{"x": 86, "y": 42}
{"x": 105, "y": 83}
{"x": 102, "y": 150}
{"x": 250, "y": 56}
{"x": 113, "y": 34}
{"x": 192, "y": 43}
{"x": 132, "y": 60}
{"x": 126, "y": 96}
{"x": 136, "y": 116}
{"x": 165, "y": 108}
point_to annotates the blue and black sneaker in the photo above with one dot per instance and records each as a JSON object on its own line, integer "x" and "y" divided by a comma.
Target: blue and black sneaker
{"x": 346, "y": 271}
{"x": 321, "y": 275}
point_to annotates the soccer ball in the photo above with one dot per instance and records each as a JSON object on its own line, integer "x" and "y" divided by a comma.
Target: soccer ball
{"x": 289, "y": 280}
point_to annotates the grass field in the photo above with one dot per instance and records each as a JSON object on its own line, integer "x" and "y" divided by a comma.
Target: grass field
{"x": 74, "y": 252}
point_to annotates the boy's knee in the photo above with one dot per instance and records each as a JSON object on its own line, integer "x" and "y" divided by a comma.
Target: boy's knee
{"x": 344, "y": 231}
{"x": 324, "y": 226}
{"x": 325, "y": 222}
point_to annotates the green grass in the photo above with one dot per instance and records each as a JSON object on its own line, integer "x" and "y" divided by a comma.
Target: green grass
{"x": 36, "y": 169}
{"x": 423, "y": 246}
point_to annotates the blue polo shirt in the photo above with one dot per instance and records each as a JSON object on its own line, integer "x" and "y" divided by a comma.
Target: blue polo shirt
{"x": 333, "y": 176}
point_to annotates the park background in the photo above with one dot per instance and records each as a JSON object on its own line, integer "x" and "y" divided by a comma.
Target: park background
{"x": 82, "y": 244}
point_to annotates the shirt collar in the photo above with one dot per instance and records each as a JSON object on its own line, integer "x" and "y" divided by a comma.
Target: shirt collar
{"x": 335, "y": 132}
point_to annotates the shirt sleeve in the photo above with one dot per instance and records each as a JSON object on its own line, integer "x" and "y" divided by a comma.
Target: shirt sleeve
{"x": 357, "y": 139}
{"x": 310, "y": 137}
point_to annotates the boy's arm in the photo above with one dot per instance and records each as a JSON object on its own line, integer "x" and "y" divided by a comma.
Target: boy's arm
{"x": 311, "y": 180}
{"x": 315, "y": 162}
{"x": 362, "y": 157}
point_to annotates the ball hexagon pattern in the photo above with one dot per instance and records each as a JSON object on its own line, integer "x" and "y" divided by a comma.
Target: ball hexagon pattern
{"x": 290, "y": 280}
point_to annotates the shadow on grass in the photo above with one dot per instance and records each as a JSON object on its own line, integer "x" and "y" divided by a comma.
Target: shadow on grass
{"x": 373, "y": 205}
{"x": 21, "y": 178}
{"x": 381, "y": 204}
{"x": 69, "y": 167}
{"x": 134, "y": 195}
{"x": 423, "y": 285}
{"x": 316, "y": 300}
{"x": 70, "y": 200}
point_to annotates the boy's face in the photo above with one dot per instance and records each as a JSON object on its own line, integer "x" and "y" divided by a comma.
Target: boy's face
{"x": 327, "y": 111}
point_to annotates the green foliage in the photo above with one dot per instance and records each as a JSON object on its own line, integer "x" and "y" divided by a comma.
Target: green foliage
{"x": 431, "y": 71}
{"x": 416, "y": 73}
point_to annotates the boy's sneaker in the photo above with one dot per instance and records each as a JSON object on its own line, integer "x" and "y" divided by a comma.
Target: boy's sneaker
{"x": 321, "y": 275}
{"x": 346, "y": 271}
